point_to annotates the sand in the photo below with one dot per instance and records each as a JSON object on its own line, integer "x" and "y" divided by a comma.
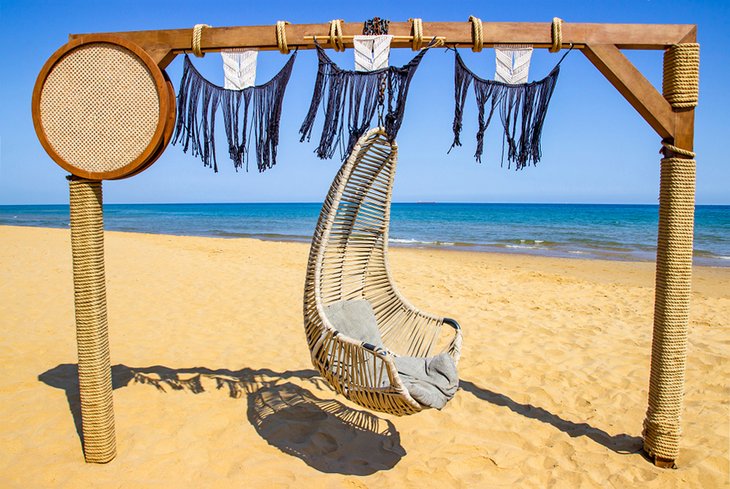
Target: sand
{"x": 214, "y": 387}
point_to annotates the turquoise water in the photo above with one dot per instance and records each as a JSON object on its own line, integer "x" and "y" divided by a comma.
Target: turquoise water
{"x": 620, "y": 232}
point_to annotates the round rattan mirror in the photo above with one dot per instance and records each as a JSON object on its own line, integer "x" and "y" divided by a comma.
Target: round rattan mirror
{"x": 102, "y": 108}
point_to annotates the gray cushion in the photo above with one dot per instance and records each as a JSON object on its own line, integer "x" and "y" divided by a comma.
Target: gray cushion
{"x": 355, "y": 319}
{"x": 431, "y": 381}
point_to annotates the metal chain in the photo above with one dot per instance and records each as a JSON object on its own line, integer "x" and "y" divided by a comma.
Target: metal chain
{"x": 375, "y": 27}
{"x": 381, "y": 96}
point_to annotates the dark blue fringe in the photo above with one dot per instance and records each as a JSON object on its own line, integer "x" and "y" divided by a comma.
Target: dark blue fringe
{"x": 350, "y": 100}
{"x": 522, "y": 109}
{"x": 256, "y": 109}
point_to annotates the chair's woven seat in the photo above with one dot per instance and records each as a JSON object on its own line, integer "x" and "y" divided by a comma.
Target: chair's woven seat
{"x": 348, "y": 261}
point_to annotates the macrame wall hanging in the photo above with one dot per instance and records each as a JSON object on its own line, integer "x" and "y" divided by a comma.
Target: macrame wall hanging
{"x": 371, "y": 52}
{"x": 351, "y": 99}
{"x": 513, "y": 63}
{"x": 249, "y": 111}
{"x": 239, "y": 68}
{"x": 372, "y": 48}
{"x": 522, "y": 106}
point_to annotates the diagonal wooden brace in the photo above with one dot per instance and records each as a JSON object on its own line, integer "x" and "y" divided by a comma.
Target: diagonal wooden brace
{"x": 634, "y": 87}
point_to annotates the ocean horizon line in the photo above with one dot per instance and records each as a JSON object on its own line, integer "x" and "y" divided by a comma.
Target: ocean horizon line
{"x": 625, "y": 232}
{"x": 418, "y": 202}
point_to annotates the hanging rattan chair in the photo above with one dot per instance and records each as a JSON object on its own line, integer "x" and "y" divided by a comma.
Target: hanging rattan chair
{"x": 348, "y": 261}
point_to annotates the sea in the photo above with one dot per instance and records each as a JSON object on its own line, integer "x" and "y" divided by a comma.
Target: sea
{"x": 603, "y": 231}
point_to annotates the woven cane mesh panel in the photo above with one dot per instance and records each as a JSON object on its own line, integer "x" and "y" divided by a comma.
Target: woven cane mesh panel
{"x": 99, "y": 107}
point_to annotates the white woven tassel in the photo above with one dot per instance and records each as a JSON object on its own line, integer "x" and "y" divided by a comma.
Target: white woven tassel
{"x": 371, "y": 52}
{"x": 239, "y": 68}
{"x": 513, "y": 63}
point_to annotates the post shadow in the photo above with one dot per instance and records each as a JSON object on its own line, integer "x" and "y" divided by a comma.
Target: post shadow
{"x": 623, "y": 443}
{"x": 323, "y": 433}
{"x": 66, "y": 377}
{"x": 326, "y": 434}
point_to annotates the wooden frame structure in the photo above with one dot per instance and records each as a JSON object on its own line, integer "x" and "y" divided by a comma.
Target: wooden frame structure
{"x": 602, "y": 45}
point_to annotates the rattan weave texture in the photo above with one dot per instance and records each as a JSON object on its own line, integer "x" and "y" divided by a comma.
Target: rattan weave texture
{"x": 99, "y": 107}
{"x": 349, "y": 260}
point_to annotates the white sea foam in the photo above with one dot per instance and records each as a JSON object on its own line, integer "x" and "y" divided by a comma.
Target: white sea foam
{"x": 531, "y": 242}
{"x": 521, "y": 247}
{"x": 417, "y": 242}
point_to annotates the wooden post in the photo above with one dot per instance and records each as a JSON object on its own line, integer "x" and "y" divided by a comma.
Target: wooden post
{"x": 671, "y": 115}
{"x": 674, "y": 261}
{"x": 95, "y": 379}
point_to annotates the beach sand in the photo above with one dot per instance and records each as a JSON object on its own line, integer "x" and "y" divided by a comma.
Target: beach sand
{"x": 214, "y": 387}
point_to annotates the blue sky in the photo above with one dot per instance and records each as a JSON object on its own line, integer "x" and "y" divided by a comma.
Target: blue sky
{"x": 596, "y": 148}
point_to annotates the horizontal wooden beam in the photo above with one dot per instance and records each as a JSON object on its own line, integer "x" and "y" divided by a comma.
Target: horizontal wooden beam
{"x": 635, "y": 88}
{"x": 601, "y": 43}
{"x": 163, "y": 45}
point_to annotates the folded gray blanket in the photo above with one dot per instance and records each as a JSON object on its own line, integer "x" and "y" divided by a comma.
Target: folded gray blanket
{"x": 431, "y": 381}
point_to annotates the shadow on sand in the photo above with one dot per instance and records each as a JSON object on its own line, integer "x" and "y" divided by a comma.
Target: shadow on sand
{"x": 325, "y": 433}
{"x": 623, "y": 443}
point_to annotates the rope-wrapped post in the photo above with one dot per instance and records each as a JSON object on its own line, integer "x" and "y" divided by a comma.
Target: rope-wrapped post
{"x": 673, "y": 268}
{"x": 95, "y": 380}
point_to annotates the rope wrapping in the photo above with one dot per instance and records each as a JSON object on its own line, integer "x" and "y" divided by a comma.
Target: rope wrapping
{"x": 671, "y": 309}
{"x": 476, "y": 34}
{"x": 662, "y": 427}
{"x": 197, "y": 35}
{"x": 281, "y": 36}
{"x": 681, "y": 80}
{"x": 95, "y": 381}
{"x": 556, "y": 33}
{"x": 674, "y": 149}
{"x": 417, "y": 29}
{"x": 335, "y": 40}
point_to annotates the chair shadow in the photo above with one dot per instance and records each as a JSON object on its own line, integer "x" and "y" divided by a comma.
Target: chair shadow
{"x": 623, "y": 443}
{"x": 324, "y": 433}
